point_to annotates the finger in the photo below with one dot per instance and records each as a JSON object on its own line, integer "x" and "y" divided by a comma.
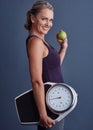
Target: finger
{"x": 50, "y": 126}
{"x": 51, "y": 123}
{"x": 41, "y": 123}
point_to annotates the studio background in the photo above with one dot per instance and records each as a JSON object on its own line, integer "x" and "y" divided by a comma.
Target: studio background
{"x": 76, "y": 18}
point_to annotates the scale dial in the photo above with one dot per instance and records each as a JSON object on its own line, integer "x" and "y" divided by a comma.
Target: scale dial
{"x": 59, "y": 98}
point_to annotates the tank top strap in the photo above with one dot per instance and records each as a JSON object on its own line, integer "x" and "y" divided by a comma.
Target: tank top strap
{"x": 33, "y": 35}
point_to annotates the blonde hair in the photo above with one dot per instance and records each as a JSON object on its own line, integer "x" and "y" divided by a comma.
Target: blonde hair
{"x": 37, "y": 6}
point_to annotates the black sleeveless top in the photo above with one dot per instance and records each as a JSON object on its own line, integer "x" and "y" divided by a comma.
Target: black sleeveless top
{"x": 51, "y": 70}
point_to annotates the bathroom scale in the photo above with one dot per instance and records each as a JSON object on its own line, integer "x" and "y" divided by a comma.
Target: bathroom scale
{"x": 60, "y": 100}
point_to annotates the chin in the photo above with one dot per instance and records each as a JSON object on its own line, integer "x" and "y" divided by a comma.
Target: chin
{"x": 45, "y": 32}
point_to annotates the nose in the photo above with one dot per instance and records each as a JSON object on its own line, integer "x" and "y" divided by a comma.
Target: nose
{"x": 48, "y": 23}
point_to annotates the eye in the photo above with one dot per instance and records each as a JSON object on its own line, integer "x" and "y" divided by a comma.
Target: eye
{"x": 51, "y": 20}
{"x": 44, "y": 19}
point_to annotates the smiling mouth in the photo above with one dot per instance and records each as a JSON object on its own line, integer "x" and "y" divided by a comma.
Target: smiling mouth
{"x": 46, "y": 29}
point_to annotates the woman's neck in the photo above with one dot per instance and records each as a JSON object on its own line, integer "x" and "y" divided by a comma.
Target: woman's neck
{"x": 36, "y": 33}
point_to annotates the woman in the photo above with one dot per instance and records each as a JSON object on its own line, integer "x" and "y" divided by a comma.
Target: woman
{"x": 44, "y": 60}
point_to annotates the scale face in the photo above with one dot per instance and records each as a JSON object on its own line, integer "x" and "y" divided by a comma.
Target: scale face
{"x": 59, "y": 98}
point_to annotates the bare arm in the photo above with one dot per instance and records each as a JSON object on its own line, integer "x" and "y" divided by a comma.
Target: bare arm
{"x": 35, "y": 52}
{"x": 63, "y": 49}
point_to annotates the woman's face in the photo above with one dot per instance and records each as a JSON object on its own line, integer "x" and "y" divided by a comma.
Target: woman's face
{"x": 43, "y": 21}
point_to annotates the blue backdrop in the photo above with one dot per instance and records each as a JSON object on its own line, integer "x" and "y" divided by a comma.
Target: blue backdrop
{"x": 76, "y": 18}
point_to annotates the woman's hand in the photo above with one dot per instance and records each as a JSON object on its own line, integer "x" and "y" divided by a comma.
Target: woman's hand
{"x": 46, "y": 121}
{"x": 63, "y": 44}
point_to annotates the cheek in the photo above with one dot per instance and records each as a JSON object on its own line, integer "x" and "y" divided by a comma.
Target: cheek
{"x": 51, "y": 25}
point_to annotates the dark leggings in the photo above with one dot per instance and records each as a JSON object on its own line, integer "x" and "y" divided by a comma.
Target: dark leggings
{"x": 57, "y": 126}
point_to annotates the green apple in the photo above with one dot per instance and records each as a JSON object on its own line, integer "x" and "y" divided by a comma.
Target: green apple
{"x": 62, "y": 35}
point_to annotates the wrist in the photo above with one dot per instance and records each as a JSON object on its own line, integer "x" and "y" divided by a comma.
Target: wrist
{"x": 43, "y": 115}
{"x": 63, "y": 48}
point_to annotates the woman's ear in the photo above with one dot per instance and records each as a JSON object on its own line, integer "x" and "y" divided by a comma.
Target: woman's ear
{"x": 32, "y": 18}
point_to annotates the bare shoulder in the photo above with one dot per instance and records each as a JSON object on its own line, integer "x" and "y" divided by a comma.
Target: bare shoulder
{"x": 34, "y": 41}
{"x": 35, "y": 45}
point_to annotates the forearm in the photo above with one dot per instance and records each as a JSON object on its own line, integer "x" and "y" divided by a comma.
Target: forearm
{"x": 62, "y": 53}
{"x": 39, "y": 95}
